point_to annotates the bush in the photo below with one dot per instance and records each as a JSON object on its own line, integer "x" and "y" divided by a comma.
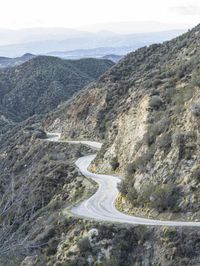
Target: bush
{"x": 131, "y": 168}
{"x": 150, "y": 137}
{"x": 161, "y": 197}
{"x": 169, "y": 93}
{"x": 196, "y": 174}
{"x": 132, "y": 194}
{"x": 155, "y": 130}
{"x": 156, "y": 82}
{"x": 196, "y": 79}
{"x": 178, "y": 139}
{"x": 165, "y": 142}
{"x": 155, "y": 102}
{"x": 84, "y": 245}
{"x": 154, "y": 92}
{"x": 195, "y": 109}
{"x": 123, "y": 187}
{"x": 165, "y": 197}
{"x": 114, "y": 163}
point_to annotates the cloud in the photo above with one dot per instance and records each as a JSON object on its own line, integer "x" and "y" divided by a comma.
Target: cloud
{"x": 187, "y": 10}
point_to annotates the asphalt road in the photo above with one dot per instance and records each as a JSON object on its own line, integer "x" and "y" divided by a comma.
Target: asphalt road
{"x": 101, "y": 206}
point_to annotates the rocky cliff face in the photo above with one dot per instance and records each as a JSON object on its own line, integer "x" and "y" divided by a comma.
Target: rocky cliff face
{"x": 146, "y": 112}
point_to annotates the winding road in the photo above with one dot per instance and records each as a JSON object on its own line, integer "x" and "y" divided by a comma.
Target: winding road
{"x": 101, "y": 206}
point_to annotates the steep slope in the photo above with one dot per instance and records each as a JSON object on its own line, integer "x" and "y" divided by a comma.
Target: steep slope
{"x": 39, "y": 85}
{"x": 146, "y": 109}
{"x": 38, "y": 182}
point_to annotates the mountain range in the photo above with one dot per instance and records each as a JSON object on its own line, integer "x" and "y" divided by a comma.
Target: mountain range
{"x": 122, "y": 42}
{"x": 145, "y": 110}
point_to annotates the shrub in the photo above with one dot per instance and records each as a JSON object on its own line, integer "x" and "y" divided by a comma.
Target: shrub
{"x": 154, "y": 92}
{"x": 178, "y": 139}
{"x": 123, "y": 187}
{"x": 154, "y": 130}
{"x": 156, "y": 82}
{"x": 166, "y": 197}
{"x": 196, "y": 174}
{"x": 84, "y": 245}
{"x": 196, "y": 79}
{"x": 114, "y": 163}
{"x": 169, "y": 93}
{"x": 155, "y": 102}
{"x": 165, "y": 142}
{"x": 141, "y": 162}
{"x": 132, "y": 194}
{"x": 195, "y": 109}
{"x": 161, "y": 197}
{"x": 131, "y": 168}
{"x": 149, "y": 138}
{"x": 181, "y": 71}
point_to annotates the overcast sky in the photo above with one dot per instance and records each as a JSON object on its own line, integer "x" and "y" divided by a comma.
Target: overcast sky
{"x": 77, "y": 13}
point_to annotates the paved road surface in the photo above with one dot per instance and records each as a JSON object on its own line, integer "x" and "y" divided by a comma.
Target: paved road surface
{"x": 101, "y": 206}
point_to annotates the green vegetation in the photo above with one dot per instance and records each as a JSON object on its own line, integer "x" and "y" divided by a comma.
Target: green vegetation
{"x": 160, "y": 197}
{"x": 196, "y": 79}
{"x": 38, "y": 180}
{"x": 41, "y": 84}
{"x": 114, "y": 163}
{"x": 84, "y": 245}
{"x": 196, "y": 174}
{"x": 154, "y": 90}
{"x": 155, "y": 102}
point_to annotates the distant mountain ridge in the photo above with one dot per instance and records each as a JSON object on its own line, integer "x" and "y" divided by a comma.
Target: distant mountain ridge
{"x": 12, "y": 62}
{"x": 27, "y": 35}
{"x": 98, "y": 52}
{"x": 89, "y": 41}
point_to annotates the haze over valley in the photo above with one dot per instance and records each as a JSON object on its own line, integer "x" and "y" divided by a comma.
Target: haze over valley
{"x": 72, "y": 44}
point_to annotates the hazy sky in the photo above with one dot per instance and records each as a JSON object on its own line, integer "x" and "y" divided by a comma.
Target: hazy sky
{"x": 77, "y": 13}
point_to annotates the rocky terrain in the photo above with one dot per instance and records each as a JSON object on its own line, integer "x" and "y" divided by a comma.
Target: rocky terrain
{"x": 41, "y": 84}
{"x": 38, "y": 181}
{"x": 146, "y": 111}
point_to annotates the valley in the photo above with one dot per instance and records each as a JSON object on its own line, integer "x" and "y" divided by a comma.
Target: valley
{"x": 117, "y": 182}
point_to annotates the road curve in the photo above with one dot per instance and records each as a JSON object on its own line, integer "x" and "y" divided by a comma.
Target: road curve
{"x": 101, "y": 206}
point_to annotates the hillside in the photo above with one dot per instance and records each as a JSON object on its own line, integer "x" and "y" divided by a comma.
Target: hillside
{"x": 38, "y": 184}
{"x": 38, "y": 181}
{"x": 146, "y": 111}
{"x": 41, "y": 84}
